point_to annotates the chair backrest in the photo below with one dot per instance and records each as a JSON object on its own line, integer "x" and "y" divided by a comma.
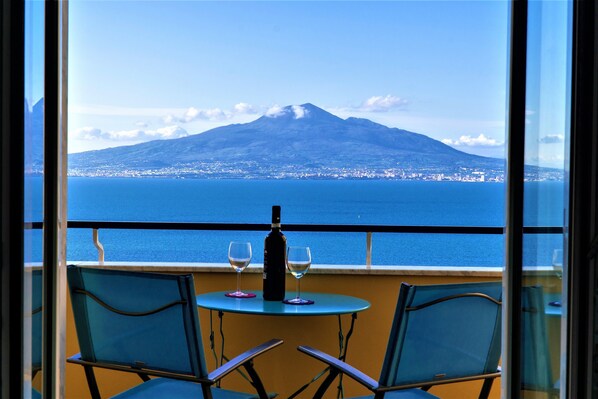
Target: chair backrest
{"x": 137, "y": 319}
{"x": 536, "y": 363}
{"x": 441, "y": 332}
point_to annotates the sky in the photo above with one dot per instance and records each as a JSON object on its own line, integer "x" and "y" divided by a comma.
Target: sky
{"x": 146, "y": 70}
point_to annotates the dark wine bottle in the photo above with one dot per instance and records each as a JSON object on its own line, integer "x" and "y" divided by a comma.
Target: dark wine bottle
{"x": 275, "y": 246}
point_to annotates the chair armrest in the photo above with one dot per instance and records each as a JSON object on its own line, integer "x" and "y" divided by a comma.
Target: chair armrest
{"x": 341, "y": 366}
{"x": 76, "y": 358}
{"x": 243, "y": 358}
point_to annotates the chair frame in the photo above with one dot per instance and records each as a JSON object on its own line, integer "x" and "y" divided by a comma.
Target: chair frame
{"x": 244, "y": 360}
{"x": 337, "y": 366}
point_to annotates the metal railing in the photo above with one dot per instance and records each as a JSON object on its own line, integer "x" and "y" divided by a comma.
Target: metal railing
{"x": 95, "y": 226}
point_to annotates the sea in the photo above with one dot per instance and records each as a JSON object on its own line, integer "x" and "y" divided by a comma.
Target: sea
{"x": 378, "y": 202}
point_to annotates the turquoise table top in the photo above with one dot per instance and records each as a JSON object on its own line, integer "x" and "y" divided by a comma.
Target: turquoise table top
{"x": 324, "y": 304}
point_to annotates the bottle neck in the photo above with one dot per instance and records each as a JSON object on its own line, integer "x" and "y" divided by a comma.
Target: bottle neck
{"x": 276, "y": 226}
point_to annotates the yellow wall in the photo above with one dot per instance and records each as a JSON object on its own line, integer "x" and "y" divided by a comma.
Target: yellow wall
{"x": 285, "y": 369}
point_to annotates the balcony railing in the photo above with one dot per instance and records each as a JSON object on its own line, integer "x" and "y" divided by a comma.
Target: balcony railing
{"x": 95, "y": 226}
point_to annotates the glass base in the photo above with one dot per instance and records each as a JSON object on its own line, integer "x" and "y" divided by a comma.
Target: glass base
{"x": 239, "y": 294}
{"x": 298, "y": 301}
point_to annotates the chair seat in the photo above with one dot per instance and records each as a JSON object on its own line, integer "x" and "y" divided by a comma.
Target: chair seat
{"x": 404, "y": 394}
{"x": 165, "y": 388}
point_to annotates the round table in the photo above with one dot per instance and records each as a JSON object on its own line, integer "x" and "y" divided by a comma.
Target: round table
{"x": 324, "y": 305}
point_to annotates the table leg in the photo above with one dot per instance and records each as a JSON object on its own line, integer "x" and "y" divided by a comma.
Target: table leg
{"x": 212, "y": 342}
{"x": 223, "y": 358}
{"x": 212, "y": 346}
{"x": 343, "y": 343}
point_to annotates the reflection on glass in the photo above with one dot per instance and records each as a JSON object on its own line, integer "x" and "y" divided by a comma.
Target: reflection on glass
{"x": 536, "y": 358}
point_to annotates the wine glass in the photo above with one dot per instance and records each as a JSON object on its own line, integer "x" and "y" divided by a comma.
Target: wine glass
{"x": 298, "y": 262}
{"x": 557, "y": 262}
{"x": 239, "y": 256}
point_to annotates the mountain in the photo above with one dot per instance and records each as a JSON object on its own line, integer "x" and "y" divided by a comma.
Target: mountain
{"x": 299, "y": 141}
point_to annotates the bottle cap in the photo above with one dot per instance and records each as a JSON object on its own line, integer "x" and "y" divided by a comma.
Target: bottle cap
{"x": 276, "y": 214}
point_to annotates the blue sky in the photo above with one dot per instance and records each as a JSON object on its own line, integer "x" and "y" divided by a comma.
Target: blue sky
{"x": 142, "y": 70}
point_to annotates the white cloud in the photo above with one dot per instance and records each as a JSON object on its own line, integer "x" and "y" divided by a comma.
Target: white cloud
{"x": 193, "y": 114}
{"x": 141, "y": 124}
{"x": 209, "y": 114}
{"x": 168, "y": 132}
{"x": 468, "y": 141}
{"x": 88, "y": 133}
{"x": 299, "y": 111}
{"x": 125, "y": 134}
{"x": 244, "y": 108}
{"x": 275, "y": 111}
{"x": 382, "y": 103}
{"x": 169, "y": 115}
{"x": 552, "y": 139}
{"x": 92, "y": 133}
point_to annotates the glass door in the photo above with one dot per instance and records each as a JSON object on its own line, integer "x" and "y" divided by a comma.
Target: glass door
{"x": 545, "y": 199}
{"x": 33, "y": 197}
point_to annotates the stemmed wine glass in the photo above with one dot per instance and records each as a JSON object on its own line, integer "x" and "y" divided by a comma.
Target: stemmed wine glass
{"x": 239, "y": 256}
{"x": 557, "y": 266}
{"x": 557, "y": 262}
{"x": 298, "y": 262}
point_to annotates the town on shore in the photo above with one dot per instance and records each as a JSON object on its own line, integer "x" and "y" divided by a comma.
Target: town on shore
{"x": 217, "y": 170}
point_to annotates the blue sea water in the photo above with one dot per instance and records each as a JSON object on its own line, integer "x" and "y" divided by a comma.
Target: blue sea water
{"x": 381, "y": 202}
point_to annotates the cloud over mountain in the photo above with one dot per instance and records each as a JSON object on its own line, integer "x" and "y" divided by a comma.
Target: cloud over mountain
{"x": 244, "y": 108}
{"x": 93, "y": 133}
{"x": 382, "y": 103}
{"x": 299, "y": 111}
{"x": 469, "y": 141}
{"x": 193, "y": 114}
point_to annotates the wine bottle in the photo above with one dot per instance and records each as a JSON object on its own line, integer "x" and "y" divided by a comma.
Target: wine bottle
{"x": 275, "y": 246}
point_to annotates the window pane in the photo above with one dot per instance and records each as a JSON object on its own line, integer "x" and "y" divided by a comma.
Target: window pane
{"x": 351, "y": 112}
{"x": 33, "y": 204}
{"x": 547, "y": 130}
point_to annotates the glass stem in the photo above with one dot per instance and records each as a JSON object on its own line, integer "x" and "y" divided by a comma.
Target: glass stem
{"x": 238, "y": 282}
{"x": 298, "y": 288}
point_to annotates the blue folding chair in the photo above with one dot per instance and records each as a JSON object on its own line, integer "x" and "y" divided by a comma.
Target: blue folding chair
{"x": 148, "y": 324}
{"x": 441, "y": 334}
{"x": 36, "y": 326}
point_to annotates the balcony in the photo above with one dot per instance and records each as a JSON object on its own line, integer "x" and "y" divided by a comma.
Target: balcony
{"x": 378, "y": 285}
